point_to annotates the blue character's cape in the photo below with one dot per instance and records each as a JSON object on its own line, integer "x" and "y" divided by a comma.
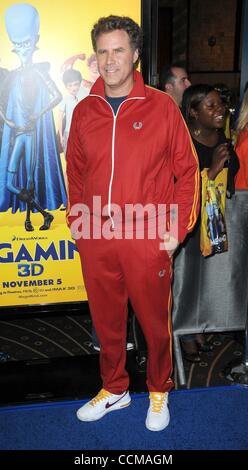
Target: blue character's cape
{"x": 48, "y": 175}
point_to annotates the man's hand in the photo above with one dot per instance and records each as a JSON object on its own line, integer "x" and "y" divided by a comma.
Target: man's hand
{"x": 170, "y": 244}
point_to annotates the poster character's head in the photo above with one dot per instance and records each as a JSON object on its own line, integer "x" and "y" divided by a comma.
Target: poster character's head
{"x": 72, "y": 80}
{"x": 22, "y": 24}
{"x": 93, "y": 68}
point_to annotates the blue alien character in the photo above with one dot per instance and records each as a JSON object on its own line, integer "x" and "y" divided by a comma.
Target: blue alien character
{"x": 30, "y": 166}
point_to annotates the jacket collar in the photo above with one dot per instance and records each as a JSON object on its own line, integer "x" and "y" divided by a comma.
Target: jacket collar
{"x": 138, "y": 90}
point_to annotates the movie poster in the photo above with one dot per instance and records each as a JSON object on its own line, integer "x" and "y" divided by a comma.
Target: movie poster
{"x": 47, "y": 66}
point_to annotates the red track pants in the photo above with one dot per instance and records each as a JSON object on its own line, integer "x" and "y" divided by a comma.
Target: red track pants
{"x": 115, "y": 270}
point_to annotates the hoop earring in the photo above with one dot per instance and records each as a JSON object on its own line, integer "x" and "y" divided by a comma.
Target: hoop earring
{"x": 197, "y": 132}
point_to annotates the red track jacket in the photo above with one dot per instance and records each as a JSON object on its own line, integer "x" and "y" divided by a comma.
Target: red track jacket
{"x": 141, "y": 155}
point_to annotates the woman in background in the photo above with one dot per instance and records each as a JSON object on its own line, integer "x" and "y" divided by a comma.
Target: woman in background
{"x": 204, "y": 113}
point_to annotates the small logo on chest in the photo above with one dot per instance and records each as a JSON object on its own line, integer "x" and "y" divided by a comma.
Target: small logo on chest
{"x": 137, "y": 125}
{"x": 162, "y": 273}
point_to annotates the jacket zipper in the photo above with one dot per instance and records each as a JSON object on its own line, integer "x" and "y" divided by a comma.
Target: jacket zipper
{"x": 113, "y": 150}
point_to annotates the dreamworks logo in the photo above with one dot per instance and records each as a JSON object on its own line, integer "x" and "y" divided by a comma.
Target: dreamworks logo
{"x": 17, "y": 239}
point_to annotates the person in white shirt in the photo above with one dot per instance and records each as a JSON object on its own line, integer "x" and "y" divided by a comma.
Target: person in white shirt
{"x": 76, "y": 92}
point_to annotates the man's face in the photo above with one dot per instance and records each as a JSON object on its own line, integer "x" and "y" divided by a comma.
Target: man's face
{"x": 180, "y": 83}
{"x": 115, "y": 59}
{"x": 73, "y": 87}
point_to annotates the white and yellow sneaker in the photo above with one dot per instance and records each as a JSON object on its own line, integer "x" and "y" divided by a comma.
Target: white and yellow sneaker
{"x": 102, "y": 404}
{"x": 129, "y": 347}
{"x": 158, "y": 415}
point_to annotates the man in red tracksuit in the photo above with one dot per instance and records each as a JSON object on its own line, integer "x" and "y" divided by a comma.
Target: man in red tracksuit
{"x": 128, "y": 147}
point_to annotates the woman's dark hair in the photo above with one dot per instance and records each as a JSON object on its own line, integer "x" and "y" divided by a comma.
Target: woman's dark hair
{"x": 112, "y": 23}
{"x": 224, "y": 91}
{"x": 192, "y": 97}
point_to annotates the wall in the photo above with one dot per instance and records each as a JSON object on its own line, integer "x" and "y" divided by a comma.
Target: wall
{"x": 193, "y": 22}
{"x": 217, "y": 19}
{"x": 180, "y": 31}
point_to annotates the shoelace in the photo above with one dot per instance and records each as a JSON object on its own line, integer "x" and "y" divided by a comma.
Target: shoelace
{"x": 100, "y": 396}
{"x": 157, "y": 401}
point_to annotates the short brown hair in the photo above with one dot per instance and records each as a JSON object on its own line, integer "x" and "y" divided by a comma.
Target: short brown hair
{"x": 111, "y": 23}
